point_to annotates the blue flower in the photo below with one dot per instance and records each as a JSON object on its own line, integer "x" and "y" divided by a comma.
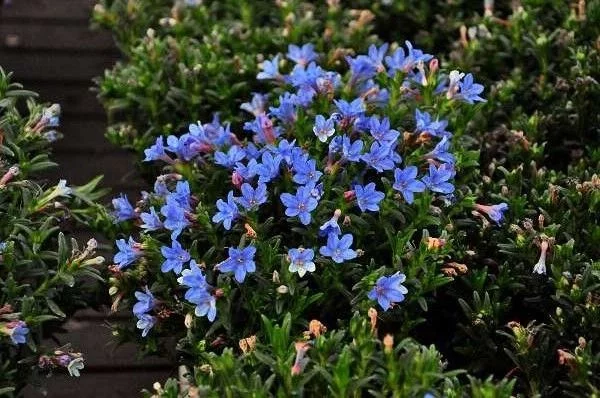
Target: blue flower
{"x": 193, "y": 278}
{"x": 18, "y": 334}
{"x": 206, "y": 304}
{"x": 405, "y": 181}
{"x": 247, "y": 172}
{"x": 316, "y": 190}
{"x": 406, "y": 62}
{"x": 128, "y": 252}
{"x": 351, "y": 151}
{"x": 229, "y": 159}
{"x": 185, "y": 147}
{"x": 160, "y": 188}
{"x": 270, "y": 69}
{"x": 376, "y": 56}
{"x": 305, "y": 171}
{"x": 338, "y": 248}
{"x": 323, "y": 128}
{"x": 380, "y": 130}
{"x": 361, "y": 68}
{"x": 425, "y": 124}
{"x": 240, "y": 262}
{"x": 123, "y": 209}
{"x": 175, "y": 256}
{"x": 182, "y": 194}
{"x": 494, "y": 212}
{"x": 305, "y": 77}
{"x": 199, "y": 291}
{"x": 287, "y": 150}
{"x": 367, "y": 197}
{"x": 301, "y": 204}
{"x": 286, "y": 111}
{"x": 469, "y": 91}
{"x": 252, "y": 198}
{"x": 156, "y": 151}
{"x": 389, "y": 290}
{"x": 268, "y": 169}
{"x": 302, "y": 55}
{"x": 301, "y": 260}
{"x": 151, "y": 221}
{"x": 379, "y": 157}
{"x": 145, "y": 303}
{"x": 257, "y": 105}
{"x": 228, "y": 211}
{"x": 145, "y": 323}
{"x": 441, "y": 151}
{"x": 437, "y": 179}
{"x": 175, "y": 219}
{"x": 331, "y": 226}
{"x": 350, "y": 110}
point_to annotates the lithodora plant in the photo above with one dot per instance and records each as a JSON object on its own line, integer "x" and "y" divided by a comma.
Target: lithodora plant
{"x": 343, "y": 363}
{"x": 41, "y": 271}
{"x": 338, "y": 195}
{"x": 189, "y": 59}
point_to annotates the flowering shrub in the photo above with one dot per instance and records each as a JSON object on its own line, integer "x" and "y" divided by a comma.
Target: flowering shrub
{"x": 326, "y": 209}
{"x": 187, "y": 59}
{"x": 41, "y": 273}
{"x": 517, "y": 238}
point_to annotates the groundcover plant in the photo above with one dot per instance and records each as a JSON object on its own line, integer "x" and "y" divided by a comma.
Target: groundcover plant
{"x": 502, "y": 291}
{"x": 337, "y": 205}
{"x": 41, "y": 271}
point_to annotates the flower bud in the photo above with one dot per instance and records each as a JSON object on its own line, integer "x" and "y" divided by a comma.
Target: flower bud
{"x": 189, "y": 320}
{"x": 388, "y": 343}
{"x": 372, "y": 313}
{"x": 283, "y": 289}
{"x": 275, "y": 277}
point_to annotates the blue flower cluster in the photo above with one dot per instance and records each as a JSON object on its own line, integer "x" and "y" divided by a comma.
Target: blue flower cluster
{"x": 348, "y": 146}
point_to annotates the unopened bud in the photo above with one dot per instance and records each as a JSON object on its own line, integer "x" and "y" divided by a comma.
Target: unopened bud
{"x": 283, "y": 289}
{"x": 189, "y": 320}
{"x": 276, "y": 277}
{"x": 388, "y": 343}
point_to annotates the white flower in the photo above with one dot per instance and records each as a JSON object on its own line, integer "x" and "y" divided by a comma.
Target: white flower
{"x": 540, "y": 266}
{"x": 62, "y": 189}
{"x": 75, "y": 366}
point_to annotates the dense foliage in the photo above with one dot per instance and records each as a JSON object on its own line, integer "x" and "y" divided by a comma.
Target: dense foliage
{"x": 42, "y": 274}
{"x": 516, "y": 299}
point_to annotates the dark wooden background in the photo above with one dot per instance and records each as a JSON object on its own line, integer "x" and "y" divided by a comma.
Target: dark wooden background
{"x": 51, "y": 50}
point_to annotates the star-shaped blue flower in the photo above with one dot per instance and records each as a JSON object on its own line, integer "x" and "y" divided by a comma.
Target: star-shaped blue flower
{"x": 368, "y": 197}
{"x": 437, "y": 180}
{"x": 175, "y": 256}
{"x": 252, "y": 198}
{"x": 338, "y": 248}
{"x": 127, "y": 254}
{"x": 145, "y": 303}
{"x": 389, "y": 290}
{"x": 301, "y": 204}
{"x": 406, "y": 182}
{"x": 123, "y": 209}
{"x": 240, "y": 262}
{"x": 228, "y": 211}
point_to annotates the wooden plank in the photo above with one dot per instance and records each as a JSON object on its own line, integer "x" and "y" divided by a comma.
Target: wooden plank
{"x": 75, "y": 99}
{"x": 82, "y": 134}
{"x": 54, "y": 37}
{"x": 57, "y": 67}
{"x": 78, "y": 10}
{"x": 94, "y": 339}
{"x": 117, "y": 167}
{"x": 117, "y": 384}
